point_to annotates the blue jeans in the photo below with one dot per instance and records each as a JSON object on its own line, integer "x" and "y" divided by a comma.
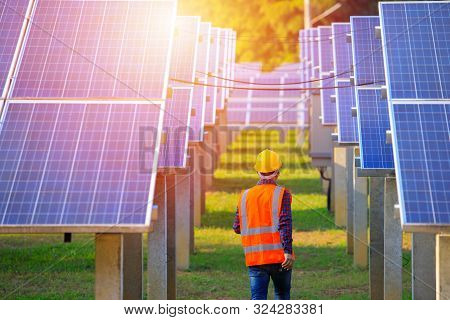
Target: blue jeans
{"x": 260, "y": 278}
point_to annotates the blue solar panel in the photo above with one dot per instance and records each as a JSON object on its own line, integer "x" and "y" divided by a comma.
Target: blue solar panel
{"x": 367, "y": 51}
{"x": 422, "y": 161}
{"x": 342, "y": 51}
{"x": 314, "y": 42}
{"x": 346, "y": 123}
{"x": 328, "y": 108}
{"x": 213, "y": 67}
{"x": 222, "y": 69}
{"x": 373, "y": 121}
{"x": 325, "y": 50}
{"x": 12, "y": 17}
{"x": 96, "y": 49}
{"x": 416, "y": 49}
{"x": 78, "y": 164}
{"x": 177, "y": 118}
{"x": 199, "y": 100}
{"x": 266, "y": 83}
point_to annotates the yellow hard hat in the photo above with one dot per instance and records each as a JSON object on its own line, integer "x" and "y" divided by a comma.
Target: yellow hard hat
{"x": 267, "y": 161}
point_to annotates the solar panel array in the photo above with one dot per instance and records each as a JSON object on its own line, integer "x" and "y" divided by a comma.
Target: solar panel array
{"x": 416, "y": 49}
{"x": 82, "y": 127}
{"x": 346, "y": 123}
{"x": 342, "y": 54}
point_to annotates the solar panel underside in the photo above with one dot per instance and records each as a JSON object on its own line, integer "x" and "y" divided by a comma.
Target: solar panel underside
{"x": 422, "y": 151}
{"x": 346, "y": 123}
{"x": 367, "y": 51}
{"x": 373, "y": 121}
{"x": 211, "y": 101}
{"x": 342, "y": 50}
{"x": 12, "y": 16}
{"x": 177, "y": 117}
{"x": 78, "y": 164}
{"x": 96, "y": 49}
{"x": 417, "y": 49}
{"x": 199, "y": 101}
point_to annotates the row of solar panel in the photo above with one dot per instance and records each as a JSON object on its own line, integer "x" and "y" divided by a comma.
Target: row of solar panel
{"x": 85, "y": 105}
{"x": 409, "y": 60}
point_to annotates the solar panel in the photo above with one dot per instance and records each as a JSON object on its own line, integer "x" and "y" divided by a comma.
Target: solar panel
{"x": 373, "y": 121}
{"x": 78, "y": 164}
{"x": 266, "y": 82}
{"x": 270, "y": 112}
{"x": 422, "y": 161}
{"x": 328, "y": 108}
{"x": 222, "y": 69}
{"x": 342, "y": 50}
{"x": 185, "y": 48}
{"x": 177, "y": 117}
{"x": 236, "y": 116}
{"x": 96, "y": 49}
{"x": 213, "y": 67}
{"x": 416, "y": 49}
{"x": 199, "y": 100}
{"x": 367, "y": 51}
{"x": 346, "y": 123}
{"x": 291, "y": 79}
{"x": 12, "y": 17}
{"x": 314, "y": 41}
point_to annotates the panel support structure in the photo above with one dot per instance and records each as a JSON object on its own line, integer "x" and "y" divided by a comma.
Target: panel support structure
{"x": 161, "y": 243}
{"x": 209, "y": 157}
{"x": 349, "y": 170}
{"x": 376, "y": 224}
{"x": 361, "y": 245}
{"x": 392, "y": 243}
{"x": 423, "y": 260}
{"x": 109, "y": 266}
{"x": 197, "y": 187}
{"x": 340, "y": 187}
{"x": 183, "y": 220}
{"x": 443, "y": 267}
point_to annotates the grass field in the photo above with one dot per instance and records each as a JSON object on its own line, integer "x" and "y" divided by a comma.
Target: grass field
{"x": 42, "y": 267}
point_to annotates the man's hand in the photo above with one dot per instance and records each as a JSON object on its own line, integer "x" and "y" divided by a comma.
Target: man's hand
{"x": 288, "y": 261}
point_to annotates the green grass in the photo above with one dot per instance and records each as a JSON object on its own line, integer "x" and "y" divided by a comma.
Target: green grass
{"x": 43, "y": 267}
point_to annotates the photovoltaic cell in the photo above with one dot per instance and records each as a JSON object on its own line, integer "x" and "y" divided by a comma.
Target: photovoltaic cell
{"x": 267, "y": 83}
{"x": 373, "y": 121}
{"x": 346, "y": 123}
{"x": 342, "y": 51}
{"x": 199, "y": 100}
{"x": 325, "y": 50}
{"x": 213, "y": 67}
{"x": 328, "y": 107}
{"x": 291, "y": 79}
{"x": 177, "y": 117}
{"x": 367, "y": 51}
{"x": 78, "y": 164}
{"x": 314, "y": 42}
{"x": 422, "y": 151}
{"x": 12, "y": 17}
{"x": 417, "y": 49}
{"x": 96, "y": 49}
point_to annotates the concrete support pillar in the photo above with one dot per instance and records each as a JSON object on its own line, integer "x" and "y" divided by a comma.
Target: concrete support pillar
{"x": 392, "y": 243}
{"x": 161, "y": 243}
{"x": 423, "y": 261}
{"x": 442, "y": 267}
{"x": 109, "y": 266}
{"x": 333, "y": 185}
{"x": 197, "y": 186}
{"x": 340, "y": 187}
{"x": 376, "y": 224}
{"x": 209, "y": 159}
{"x": 132, "y": 266}
{"x": 183, "y": 221}
{"x": 349, "y": 170}
{"x": 300, "y": 135}
{"x": 361, "y": 245}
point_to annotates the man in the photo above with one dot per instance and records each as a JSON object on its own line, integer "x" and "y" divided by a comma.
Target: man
{"x": 264, "y": 220}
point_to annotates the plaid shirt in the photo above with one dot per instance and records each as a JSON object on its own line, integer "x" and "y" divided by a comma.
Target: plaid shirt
{"x": 285, "y": 221}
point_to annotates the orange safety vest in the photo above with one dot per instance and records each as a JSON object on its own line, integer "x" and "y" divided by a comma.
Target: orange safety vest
{"x": 259, "y": 210}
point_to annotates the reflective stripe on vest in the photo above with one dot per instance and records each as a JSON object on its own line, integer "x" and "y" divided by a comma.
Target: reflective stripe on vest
{"x": 246, "y": 231}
